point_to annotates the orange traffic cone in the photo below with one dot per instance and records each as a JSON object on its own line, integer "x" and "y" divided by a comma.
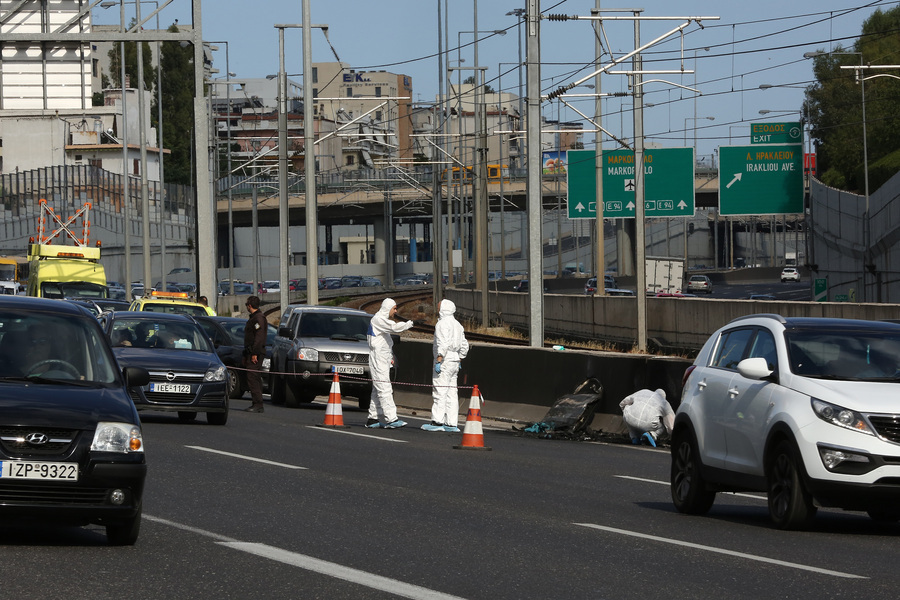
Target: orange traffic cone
{"x": 334, "y": 414}
{"x": 473, "y": 436}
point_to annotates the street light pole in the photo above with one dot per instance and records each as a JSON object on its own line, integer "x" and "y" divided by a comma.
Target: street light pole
{"x": 283, "y": 210}
{"x": 312, "y": 223}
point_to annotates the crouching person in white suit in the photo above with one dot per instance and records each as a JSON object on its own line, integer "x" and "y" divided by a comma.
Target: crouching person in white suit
{"x": 648, "y": 416}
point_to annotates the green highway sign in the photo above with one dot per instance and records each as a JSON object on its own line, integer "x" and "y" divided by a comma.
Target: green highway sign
{"x": 776, "y": 133}
{"x": 820, "y": 289}
{"x": 761, "y": 180}
{"x": 668, "y": 183}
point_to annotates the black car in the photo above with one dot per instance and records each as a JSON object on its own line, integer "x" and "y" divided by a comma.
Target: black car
{"x": 227, "y": 336}
{"x": 71, "y": 447}
{"x": 186, "y": 374}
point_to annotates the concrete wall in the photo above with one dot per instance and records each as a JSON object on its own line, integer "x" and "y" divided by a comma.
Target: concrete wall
{"x": 521, "y": 384}
{"x": 674, "y": 323}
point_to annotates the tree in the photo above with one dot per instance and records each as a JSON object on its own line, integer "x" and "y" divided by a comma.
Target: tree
{"x": 834, "y": 105}
{"x": 115, "y": 66}
{"x": 487, "y": 88}
{"x": 176, "y": 62}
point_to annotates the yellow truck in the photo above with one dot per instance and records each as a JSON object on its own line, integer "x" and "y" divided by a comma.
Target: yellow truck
{"x": 65, "y": 272}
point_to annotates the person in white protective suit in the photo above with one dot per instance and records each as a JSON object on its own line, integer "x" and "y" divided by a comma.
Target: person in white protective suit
{"x": 382, "y": 411}
{"x": 449, "y": 348}
{"x": 648, "y": 416}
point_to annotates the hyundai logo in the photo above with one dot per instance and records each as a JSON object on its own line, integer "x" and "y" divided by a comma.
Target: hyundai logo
{"x": 170, "y": 376}
{"x": 36, "y": 439}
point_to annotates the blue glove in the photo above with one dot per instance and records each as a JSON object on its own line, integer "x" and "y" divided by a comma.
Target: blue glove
{"x": 437, "y": 367}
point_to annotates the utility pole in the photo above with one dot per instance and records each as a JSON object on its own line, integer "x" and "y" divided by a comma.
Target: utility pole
{"x": 533, "y": 189}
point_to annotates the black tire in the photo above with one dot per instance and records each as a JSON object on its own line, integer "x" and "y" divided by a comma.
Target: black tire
{"x": 187, "y": 416}
{"x": 235, "y": 384}
{"x": 884, "y": 515}
{"x": 276, "y": 389}
{"x": 689, "y": 492}
{"x": 217, "y": 418}
{"x": 291, "y": 396}
{"x": 123, "y": 532}
{"x": 790, "y": 503}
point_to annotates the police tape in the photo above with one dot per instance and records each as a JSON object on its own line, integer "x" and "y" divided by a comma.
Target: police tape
{"x": 354, "y": 378}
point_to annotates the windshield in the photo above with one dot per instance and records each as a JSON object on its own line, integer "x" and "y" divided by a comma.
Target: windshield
{"x": 329, "y": 325}
{"x": 7, "y": 272}
{"x": 44, "y": 346}
{"x": 853, "y": 355}
{"x": 163, "y": 334}
{"x": 175, "y": 309}
{"x": 73, "y": 289}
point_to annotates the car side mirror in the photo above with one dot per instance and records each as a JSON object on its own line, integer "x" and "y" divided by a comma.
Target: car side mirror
{"x": 136, "y": 376}
{"x": 755, "y": 368}
{"x": 285, "y": 332}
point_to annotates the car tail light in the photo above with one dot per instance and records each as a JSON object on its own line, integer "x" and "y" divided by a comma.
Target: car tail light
{"x": 687, "y": 373}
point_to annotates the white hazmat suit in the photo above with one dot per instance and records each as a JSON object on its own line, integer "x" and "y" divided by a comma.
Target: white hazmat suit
{"x": 646, "y": 411}
{"x": 449, "y": 348}
{"x": 382, "y": 407}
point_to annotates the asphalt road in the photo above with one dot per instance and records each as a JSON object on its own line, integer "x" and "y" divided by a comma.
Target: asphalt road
{"x": 273, "y": 506}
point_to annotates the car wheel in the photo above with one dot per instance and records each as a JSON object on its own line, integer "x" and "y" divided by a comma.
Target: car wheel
{"x": 291, "y": 397}
{"x": 276, "y": 389}
{"x": 217, "y": 418}
{"x": 235, "y": 384}
{"x": 123, "y": 532}
{"x": 689, "y": 493}
{"x": 187, "y": 416}
{"x": 790, "y": 504}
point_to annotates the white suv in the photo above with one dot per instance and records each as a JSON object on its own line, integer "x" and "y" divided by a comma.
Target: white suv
{"x": 804, "y": 409}
{"x": 790, "y": 274}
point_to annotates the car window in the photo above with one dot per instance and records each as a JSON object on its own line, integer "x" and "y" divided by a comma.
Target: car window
{"x": 211, "y": 330}
{"x": 330, "y": 325}
{"x": 167, "y": 335}
{"x": 731, "y": 348}
{"x": 175, "y": 309}
{"x": 764, "y": 347}
{"x": 855, "y": 356}
{"x": 53, "y": 347}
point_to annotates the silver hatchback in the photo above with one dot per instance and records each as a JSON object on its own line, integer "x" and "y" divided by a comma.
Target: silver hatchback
{"x": 313, "y": 340}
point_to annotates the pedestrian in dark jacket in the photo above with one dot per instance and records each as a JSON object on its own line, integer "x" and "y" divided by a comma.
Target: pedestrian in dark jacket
{"x": 254, "y": 351}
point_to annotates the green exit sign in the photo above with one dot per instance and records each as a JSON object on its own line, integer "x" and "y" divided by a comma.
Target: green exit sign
{"x": 776, "y": 133}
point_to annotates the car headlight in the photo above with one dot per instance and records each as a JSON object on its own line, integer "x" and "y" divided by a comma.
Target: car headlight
{"x": 840, "y": 416}
{"x": 215, "y": 374}
{"x": 307, "y": 354}
{"x": 117, "y": 437}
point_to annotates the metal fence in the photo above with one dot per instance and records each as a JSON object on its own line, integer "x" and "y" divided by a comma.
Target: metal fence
{"x": 68, "y": 188}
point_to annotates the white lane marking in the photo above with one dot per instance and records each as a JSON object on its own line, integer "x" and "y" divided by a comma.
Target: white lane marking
{"x": 365, "y": 435}
{"x": 370, "y": 580}
{"x": 203, "y": 532}
{"x": 398, "y": 588}
{"x": 244, "y": 457}
{"x": 723, "y": 551}
{"x": 754, "y": 496}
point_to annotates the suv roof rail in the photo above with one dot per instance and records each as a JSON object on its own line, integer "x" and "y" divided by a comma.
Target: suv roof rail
{"x": 777, "y": 317}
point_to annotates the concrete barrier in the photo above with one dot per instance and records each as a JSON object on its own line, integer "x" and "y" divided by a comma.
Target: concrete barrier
{"x": 521, "y": 383}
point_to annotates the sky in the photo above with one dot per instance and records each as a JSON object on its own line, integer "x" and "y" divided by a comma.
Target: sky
{"x": 751, "y": 43}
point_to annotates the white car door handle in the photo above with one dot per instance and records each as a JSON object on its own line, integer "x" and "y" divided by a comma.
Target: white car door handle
{"x": 733, "y": 392}
{"x": 702, "y": 385}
